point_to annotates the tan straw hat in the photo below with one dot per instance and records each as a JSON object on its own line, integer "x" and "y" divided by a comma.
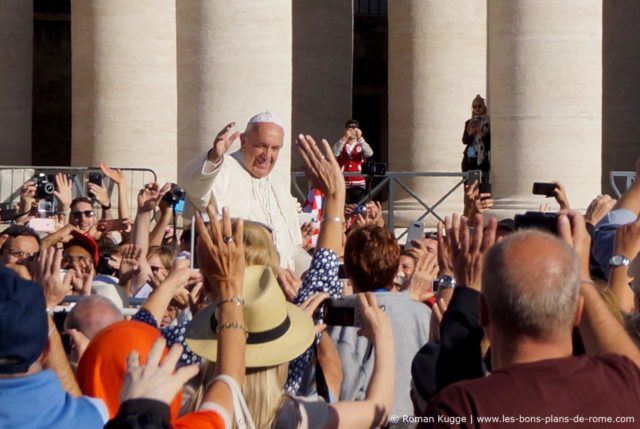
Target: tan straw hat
{"x": 278, "y": 330}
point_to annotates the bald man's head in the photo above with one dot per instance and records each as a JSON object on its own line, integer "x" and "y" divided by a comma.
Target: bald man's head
{"x": 531, "y": 283}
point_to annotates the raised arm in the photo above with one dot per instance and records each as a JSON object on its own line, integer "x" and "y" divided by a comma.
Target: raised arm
{"x": 323, "y": 171}
{"x": 178, "y": 277}
{"x": 599, "y": 329}
{"x": 157, "y": 234}
{"x": 374, "y": 409}
{"x": 148, "y": 199}
{"x": 626, "y": 243}
{"x": 117, "y": 176}
{"x": 198, "y": 176}
{"x": 221, "y": 258}
{"x": 366, "y": 149}
{"x": 55, "y": 289}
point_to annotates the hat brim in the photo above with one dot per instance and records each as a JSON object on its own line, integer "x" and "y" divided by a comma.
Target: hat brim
{"x": 204, "y": 342}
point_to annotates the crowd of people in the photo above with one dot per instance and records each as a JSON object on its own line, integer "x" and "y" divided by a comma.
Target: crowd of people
{"x": 113, "y": 322}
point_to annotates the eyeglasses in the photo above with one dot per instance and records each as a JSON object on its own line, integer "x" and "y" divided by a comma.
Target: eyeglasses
{"x": 80, "y": 213}
{"x": 19, "y": 254}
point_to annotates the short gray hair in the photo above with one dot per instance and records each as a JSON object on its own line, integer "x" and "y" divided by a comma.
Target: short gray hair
{"x": 536, "y": 300}
{"x": 93, "y": 314}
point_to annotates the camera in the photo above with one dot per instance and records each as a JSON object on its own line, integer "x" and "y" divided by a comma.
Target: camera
{"x": 44, "y": 187}
{"x": 360, "y": 210}
{"x": 174, "y": 195}
{"x": 373, "y": 168}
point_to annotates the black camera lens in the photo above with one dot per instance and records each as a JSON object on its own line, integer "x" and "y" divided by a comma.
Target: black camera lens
{"x": 174, "y": 195}
{"x": 44, "y": 188}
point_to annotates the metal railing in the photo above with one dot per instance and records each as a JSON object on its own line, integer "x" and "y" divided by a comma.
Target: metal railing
{"x": 389, "y": 180}
{"x": 13, "y": 176}
{"x": 628, "y": 176}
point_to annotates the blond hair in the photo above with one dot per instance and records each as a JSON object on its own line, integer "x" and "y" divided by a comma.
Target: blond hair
{"x": 263, "y": 393}
{"x": 258, "y": 246}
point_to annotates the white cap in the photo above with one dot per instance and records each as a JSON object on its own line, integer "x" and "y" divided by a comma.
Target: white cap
{"x": 265, "y": 117}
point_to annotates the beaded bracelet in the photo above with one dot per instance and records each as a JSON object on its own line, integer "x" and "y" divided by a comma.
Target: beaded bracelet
{"x": 237, "y": 300}
{"x": 232, "y": 325}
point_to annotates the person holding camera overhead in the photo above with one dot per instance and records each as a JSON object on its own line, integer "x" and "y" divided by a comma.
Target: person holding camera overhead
{"x": 351, "y": 152}
{"x": 477, "y": 139}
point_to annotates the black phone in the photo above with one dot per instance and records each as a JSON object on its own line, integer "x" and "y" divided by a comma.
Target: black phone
{"x": 338, "y": 312}
{"x": 473, "y": 176}
{"x": 484, "y": 188}
{"x": 546, "y": 189}
{"x": 96, "y": 179}
{"x": 538, "y": 220}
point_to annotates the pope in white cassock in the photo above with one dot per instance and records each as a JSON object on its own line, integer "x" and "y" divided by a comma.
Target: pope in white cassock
{"x": 245, "y": 182}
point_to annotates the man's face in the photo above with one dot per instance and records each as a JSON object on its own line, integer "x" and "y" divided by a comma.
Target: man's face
{"x": 83, "y": 216}
{"x": 21, "y": 250}
{"x": 260, "y": 146}
{"x": 76, "y": 255}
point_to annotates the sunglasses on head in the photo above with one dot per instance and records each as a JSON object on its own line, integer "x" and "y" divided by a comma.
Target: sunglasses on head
{"x": 86, "y": 213}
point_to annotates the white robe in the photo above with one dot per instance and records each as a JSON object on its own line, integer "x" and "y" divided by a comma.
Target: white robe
{"x": 266, "y": 200}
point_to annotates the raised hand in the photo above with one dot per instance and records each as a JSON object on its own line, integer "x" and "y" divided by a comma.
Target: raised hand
{"x": 222, "y": 143}
{"x": 373, "y": 215}
{"x": 100, "y": 194}
{"x": 221, "y": 253}
{"x": 149, "y": 197}
{"x": 289, "y": 283}
{"x": 82, "y": 277}
{"x": 376, "y": 325}
{"x": 560, "y": 194}
{"x": 116, "y": 176}
{"x": 155, "y": 380}
{"x": 627, "y": 240}
{"x": 320, "y": 166}
{"x": 598, "y": 208}
{"x": 572, "y": 229}
{"x": 311, "y": 305}
{"x": 63, "y": 191}
{"x": 130, "y": 262}
{"x": 425, "y": 272}
{"x": 468, "y": 249}
{"x": 27, "y": 195}
{"x": 445, "y": 259}
{"x": 47, "y": 274}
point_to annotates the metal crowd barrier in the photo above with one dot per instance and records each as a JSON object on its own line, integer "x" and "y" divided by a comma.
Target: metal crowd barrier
{"x": 389, "y": 180}
{"x": 13, "y": 176}
{"x": 628, "y": 176}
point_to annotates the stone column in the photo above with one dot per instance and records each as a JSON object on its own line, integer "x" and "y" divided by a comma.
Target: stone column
{"x": 545, "y": 97}
{"x": 234, "y": 60}
{"x": 620, "y": 88}
{"x": 322, "y": 67}
{"x": 124, "y": 96}
{"x": 437, "y": 65}
{"x": 16, "y": 66}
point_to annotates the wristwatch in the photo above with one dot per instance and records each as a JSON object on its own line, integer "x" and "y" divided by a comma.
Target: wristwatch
{"x": 444, "y": 282}
{"x": 619, "y": 261}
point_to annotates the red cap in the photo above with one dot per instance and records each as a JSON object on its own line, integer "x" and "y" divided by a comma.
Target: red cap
{"x": 86, "y": 242}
